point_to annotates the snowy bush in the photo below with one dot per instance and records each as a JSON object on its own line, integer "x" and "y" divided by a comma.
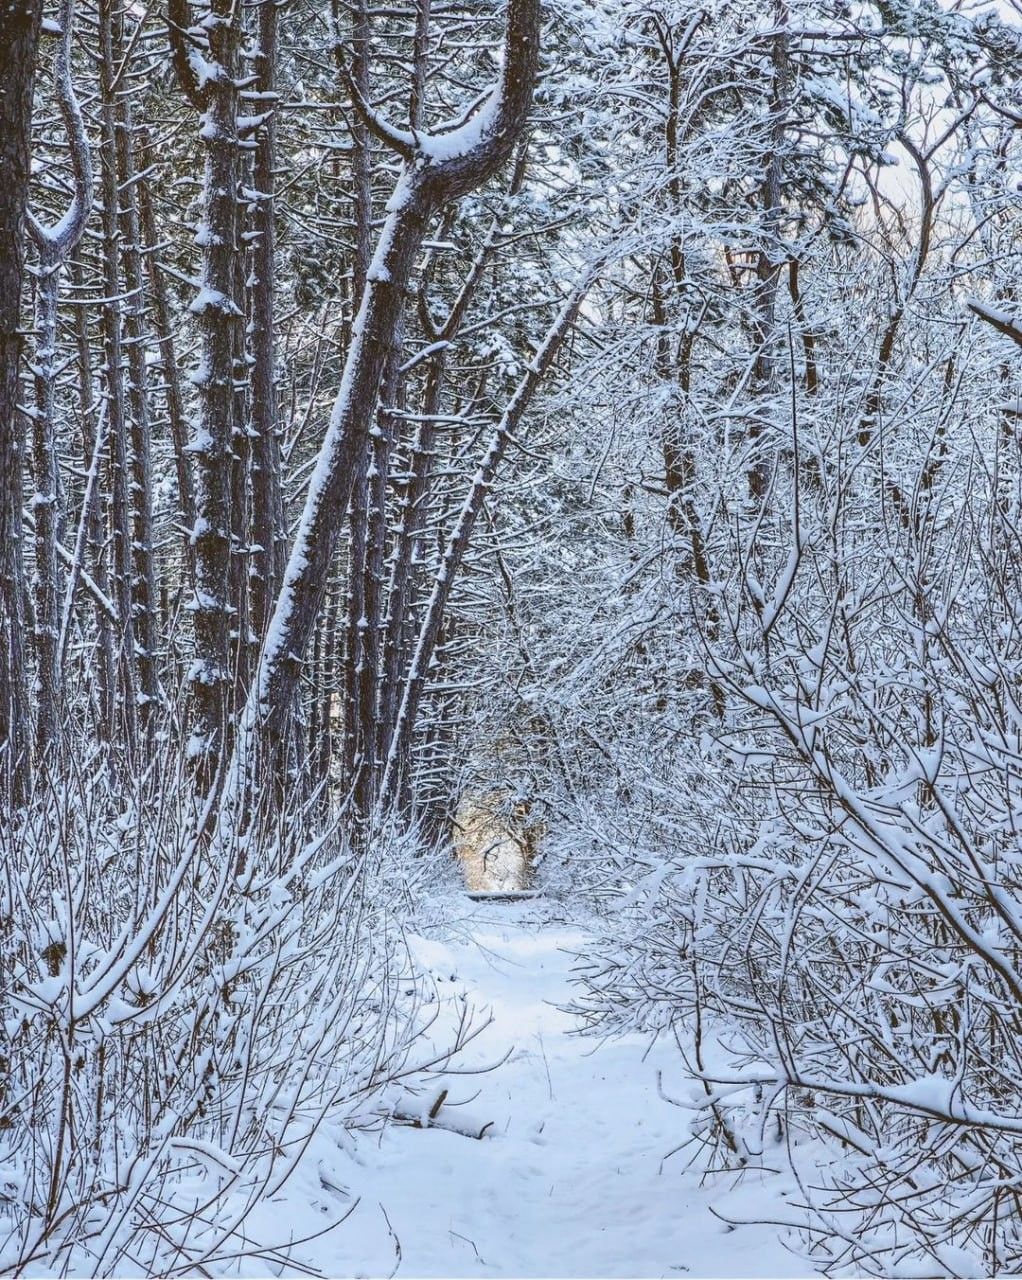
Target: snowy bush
{"x": 836, "y": 944}
{"x": 175, "y": 1032}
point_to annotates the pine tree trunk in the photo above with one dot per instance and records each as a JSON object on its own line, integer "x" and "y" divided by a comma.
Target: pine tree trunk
{"x": 218, "y": 487}
{"x": 768, "y": 267}
{"x": 126, "y": 726}
{"x": 413, "y": 505}
{"x": 93, "y": 450}
{"x": 143, "y": 586}
{"x": 268, "y": 535}
{"x": 19, "y": 43}
{"x": 54, "y": 245}
{"x": 355, "y": 754}
{"x": 49, "y": 698}
{"x": 164, "y": 333}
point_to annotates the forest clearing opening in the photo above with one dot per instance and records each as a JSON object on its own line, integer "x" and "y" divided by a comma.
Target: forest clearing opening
{"x": 495, "y": 844}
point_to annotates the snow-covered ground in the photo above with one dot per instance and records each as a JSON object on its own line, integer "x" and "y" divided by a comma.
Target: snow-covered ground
{"x": 572, "y": 1176}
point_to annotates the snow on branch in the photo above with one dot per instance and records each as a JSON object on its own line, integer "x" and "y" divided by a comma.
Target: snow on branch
{"x": 468, "y": 150}
{"x": 1002, "y": 321}
{"x": 56, "y": 242}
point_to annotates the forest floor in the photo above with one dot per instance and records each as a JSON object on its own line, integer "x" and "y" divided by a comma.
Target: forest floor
{"x": 573, "y": 1176}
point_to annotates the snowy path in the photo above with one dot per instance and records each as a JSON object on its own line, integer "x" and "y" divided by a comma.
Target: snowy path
{"x": 570, "y": 1179}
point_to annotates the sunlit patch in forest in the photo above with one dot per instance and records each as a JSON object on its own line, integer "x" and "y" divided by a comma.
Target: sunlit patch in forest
{"x": 494, "y": 843}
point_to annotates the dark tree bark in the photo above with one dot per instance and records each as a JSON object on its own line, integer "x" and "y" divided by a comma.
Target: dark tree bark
{"x": 126, "y": 729}
{"x": 354, "y": 609}
{"x": 54, "y": 245}
{"x": 218, "y": 317}
{"x": 19, "y": 43}
{"x": 94, "y": 446}
{"x": 1004, "y": 324}
{"x": 164, "y": 333}
{"x": 145, "y": 611}
{"x": 367, "y": 721}
{"x": 356, "y": 624}
{"x": 267, "y": 532}
{"x": 242, "y": 643}
{"x": 805, "y": 328}
{"x": 674, "y": 362}
{"x": 769, "y": 262}
{"x": 412, "y": 504}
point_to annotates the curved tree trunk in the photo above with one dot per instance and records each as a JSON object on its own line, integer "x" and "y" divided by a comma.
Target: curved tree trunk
{"x": 19, "y": 41}
{"x": 55, "y": 245}
{"x": 436, "y": 172}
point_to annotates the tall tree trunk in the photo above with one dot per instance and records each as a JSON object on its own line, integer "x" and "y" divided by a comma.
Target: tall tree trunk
{"x": 164, "y": 332}
{"x": 769, "y": 263}
{"x": 355, "y": 619}
{"x": 242, "y": 641}
{"x": 126, "y": 727}
{"x": 49, "y": 697}
{"x": 145, "y": 613}
{"x": 413, "y": 489}
{"x": 368, "y": 719}
{"x": 54, "y": 244}
{"x": 93, "y": 451}
{"x": 412, "y": 504}
{"x": 19, "y": 43}
{"x": 218, "y": 316}
{"x": 356, "y": 623}
{"x": 267, "y": 533}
